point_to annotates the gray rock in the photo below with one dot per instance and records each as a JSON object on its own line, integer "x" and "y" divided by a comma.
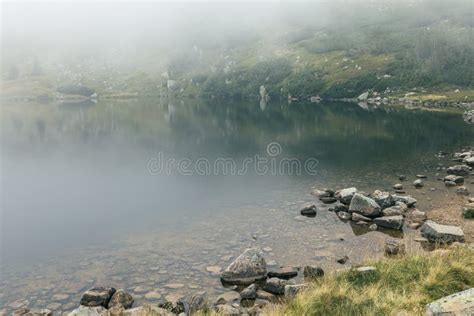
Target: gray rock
{"x": 176, "y": 307}
{"x": 462, "y": 190}
{"x": 469, "y": 161}
{"x": 454, "y": 178}
{"x": 418, "y": 183}
{"x": 88, "y": 311}
{"x": 417, "y": 216}
{"x": 357, "y": 217}
{"x": 249, "y": 267}
{"x": 344, "y": 216}
{"x": 323, "y": 192}
{"x": 312, "y": 272}
{"x": 441, "y": 233}
{"x": 384, "y": 199}
{"x": 461, "y": 303}
{"x": 121, "y": 298}
{"x": 197, "y": 302}
{"x": 309, "y": 211}
{"x": 394, "y": 247}
{"x": 264, "y": 295}
{"x": 394, "y": 222}
{"x": 398, "y": 186}
{"x": 227, "y": 310}
{"x": 276, "y": 286}
{"x": 342, "y": 260}
{"x": 364, "y": 205}
{"x": 345, "y": 195}
{"x": 249, "y": 293}
{"x": 394, "y": 210}
{"x": 450, "y": 183}
{"x": 407, "y": 199}
{"x": 459, "y": 170}
{"x": 292, "y": 290}
{"x": 283, "y": 273}
{"x": 328, "y": 199}
{"x": 228, "y": 297}
{"x": 338, "y": 207}
{"x": 97, "y": 296}
{"x": 402, "y": 177}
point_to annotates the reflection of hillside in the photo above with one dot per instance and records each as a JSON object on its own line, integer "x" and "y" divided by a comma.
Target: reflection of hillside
{"x": 339, "y": 131}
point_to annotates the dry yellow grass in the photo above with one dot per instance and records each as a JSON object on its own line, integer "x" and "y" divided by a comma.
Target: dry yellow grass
{"x": 400, "y": 285}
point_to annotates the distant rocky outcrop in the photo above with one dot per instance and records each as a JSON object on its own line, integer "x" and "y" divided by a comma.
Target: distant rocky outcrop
{"x": 72, "y": 89}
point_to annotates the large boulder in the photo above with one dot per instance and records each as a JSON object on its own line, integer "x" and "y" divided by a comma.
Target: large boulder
{"x": 249, "y": 267}
{"x": 461, "y": 303}
{"x": 121, "y": 299}
{"x": 459, "y": 170}
{"x": 97, "y": 296}
{"x": 384, "y": 199}
{"x": 364, "y": 205}
{"x": 393, "y": 222}
{"x": 73, "y": 89}
{"x": 441, "y": 233}
{"x": 345, "y": 195}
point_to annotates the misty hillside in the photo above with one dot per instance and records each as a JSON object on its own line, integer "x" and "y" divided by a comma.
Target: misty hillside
{"x": 419, "y": 46}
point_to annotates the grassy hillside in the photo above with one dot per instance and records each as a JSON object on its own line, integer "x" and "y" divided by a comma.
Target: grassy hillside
{"x": 424, "y": 48}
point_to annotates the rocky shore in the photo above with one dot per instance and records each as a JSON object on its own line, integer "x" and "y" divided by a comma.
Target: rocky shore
{"x": 252, "y": 285}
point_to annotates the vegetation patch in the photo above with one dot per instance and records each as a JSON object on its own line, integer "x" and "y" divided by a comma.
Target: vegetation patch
{"x": 404, "y": 283}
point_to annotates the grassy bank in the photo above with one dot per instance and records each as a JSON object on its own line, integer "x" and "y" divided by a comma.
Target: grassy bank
{"x": 403, "y": 284}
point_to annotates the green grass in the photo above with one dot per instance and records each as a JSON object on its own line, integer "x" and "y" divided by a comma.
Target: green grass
{"x": 400, "y": 284}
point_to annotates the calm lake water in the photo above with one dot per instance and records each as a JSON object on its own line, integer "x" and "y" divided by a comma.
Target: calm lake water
{"x": 83, "y": 202}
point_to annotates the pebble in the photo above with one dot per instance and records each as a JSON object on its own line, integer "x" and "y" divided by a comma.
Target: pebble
{"x": 153, "y": 295}
{"x": 214, "y": 269}
{"x": 53, "y": 306}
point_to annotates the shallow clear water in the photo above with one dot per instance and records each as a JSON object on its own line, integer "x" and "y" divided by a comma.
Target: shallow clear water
{"x": 84, "y": 203}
